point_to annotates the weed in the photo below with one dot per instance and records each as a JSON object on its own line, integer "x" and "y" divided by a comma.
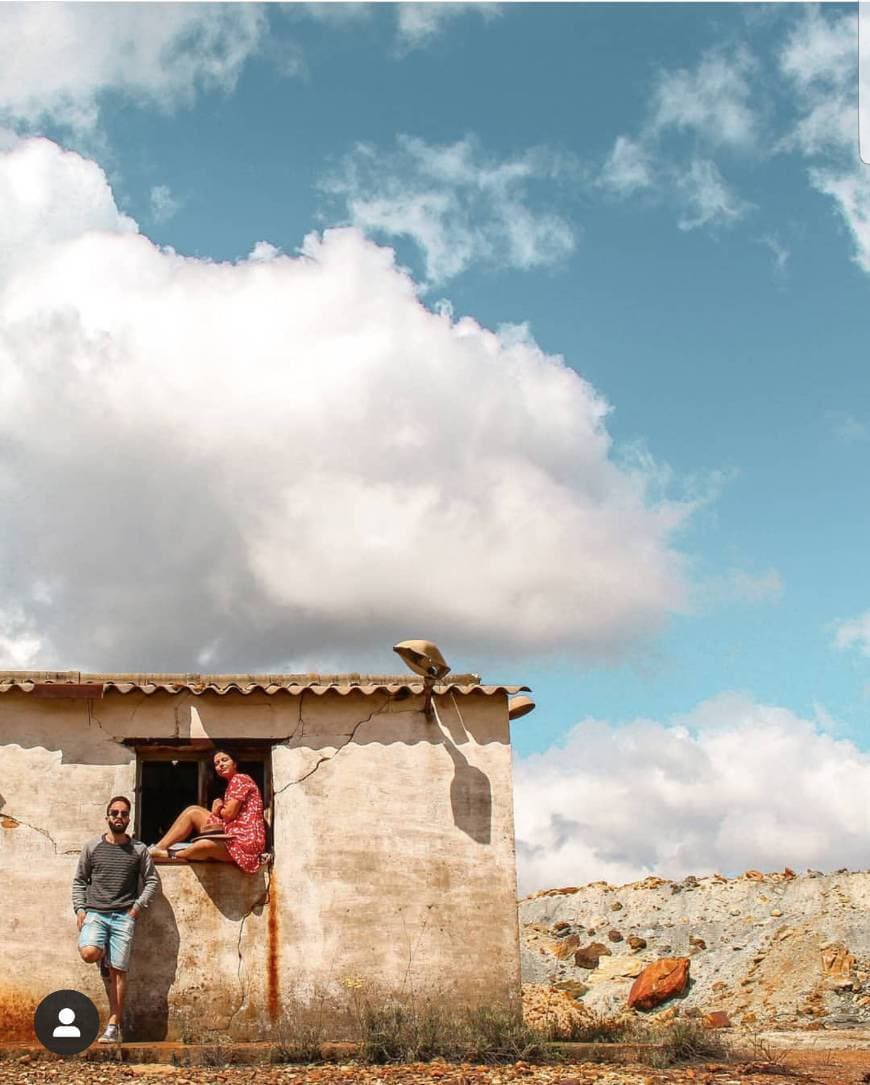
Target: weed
{"x": 498, "y": 1034}
{"x": 685, "y": 1040}
{"x": 595, "y": 1028}
{"x": 407, "y": 1028}
{"x": 216, "y": 1054}
{"x": 301, "y": 1035}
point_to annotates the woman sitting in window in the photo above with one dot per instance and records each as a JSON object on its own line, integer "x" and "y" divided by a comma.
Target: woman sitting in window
{"x": 237, "y": 817}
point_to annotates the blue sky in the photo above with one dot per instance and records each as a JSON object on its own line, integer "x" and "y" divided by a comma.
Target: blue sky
{"x": 664, "y": 200}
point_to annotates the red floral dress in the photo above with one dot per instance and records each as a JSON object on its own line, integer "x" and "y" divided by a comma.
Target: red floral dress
{"x": 247, "y": 830}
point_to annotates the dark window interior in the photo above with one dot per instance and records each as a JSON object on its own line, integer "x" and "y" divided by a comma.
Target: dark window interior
{"x": 166, "y": 787}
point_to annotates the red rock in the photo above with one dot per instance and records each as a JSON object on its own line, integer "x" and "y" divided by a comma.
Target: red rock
{"x": 658, "y": 982}
{"x": 587, "y": 957}
{"x": 717, "y": 1019}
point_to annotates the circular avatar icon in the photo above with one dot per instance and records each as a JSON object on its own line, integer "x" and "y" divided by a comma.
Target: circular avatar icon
{"x": 66, "y": 1022}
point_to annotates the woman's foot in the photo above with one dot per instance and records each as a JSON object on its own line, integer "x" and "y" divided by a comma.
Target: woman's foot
{"x": 158, "y": 853}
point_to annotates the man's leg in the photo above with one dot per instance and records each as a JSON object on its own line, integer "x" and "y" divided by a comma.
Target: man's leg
{"x": 109, "y": 984}
{"x": 117, "y": 981}
{"x": 122, "y": 926}
{"x": 93, "y": 938}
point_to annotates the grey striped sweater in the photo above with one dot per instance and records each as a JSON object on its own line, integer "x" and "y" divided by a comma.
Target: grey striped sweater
{"x": 113, "y": 877}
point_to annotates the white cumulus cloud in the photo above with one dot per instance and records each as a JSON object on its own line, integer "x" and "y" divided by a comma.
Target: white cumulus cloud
{"x": 732, "y": 785}
{"x": 57, "y": 61}
{"x": 247, "y": 463}
{"x": 456, "y": 204}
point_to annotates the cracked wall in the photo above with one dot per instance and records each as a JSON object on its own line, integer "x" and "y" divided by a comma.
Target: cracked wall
{"x": 394, "y": 859}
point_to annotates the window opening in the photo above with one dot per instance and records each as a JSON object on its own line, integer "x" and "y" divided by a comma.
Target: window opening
{"x": 171, "y": 777}
{"x": 165, "y": 789}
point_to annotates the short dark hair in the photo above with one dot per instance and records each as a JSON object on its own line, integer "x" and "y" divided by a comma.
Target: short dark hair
{"x": 118, "y": 798}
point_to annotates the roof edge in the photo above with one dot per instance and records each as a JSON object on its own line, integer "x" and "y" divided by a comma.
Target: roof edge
{"x": 80, "y": 683}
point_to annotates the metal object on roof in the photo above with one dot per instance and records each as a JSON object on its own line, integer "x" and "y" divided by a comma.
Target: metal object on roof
{"x": 78, "y": 684}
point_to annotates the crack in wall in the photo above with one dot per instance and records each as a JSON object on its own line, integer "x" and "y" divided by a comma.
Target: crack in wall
{"x": 94, "y": 718}
{"x": 36, "y": 829}
{"x": 240, "y": 979}
{"x": 348, "y": 740}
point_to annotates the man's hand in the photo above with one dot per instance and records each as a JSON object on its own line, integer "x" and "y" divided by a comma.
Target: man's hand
{"x": 80, "y": 918}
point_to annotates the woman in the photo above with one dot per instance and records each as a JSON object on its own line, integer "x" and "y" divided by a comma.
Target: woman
{"x": 239, "y": 814}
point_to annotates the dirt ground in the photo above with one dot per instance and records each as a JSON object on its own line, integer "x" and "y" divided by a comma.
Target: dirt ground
{"x": 799, "y": 1067}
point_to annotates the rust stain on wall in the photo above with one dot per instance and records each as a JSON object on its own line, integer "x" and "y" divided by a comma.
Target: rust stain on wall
{"x": 16, "y": 1016}
{"x": 274, "y": 955}
{"x": 9, "y": 823}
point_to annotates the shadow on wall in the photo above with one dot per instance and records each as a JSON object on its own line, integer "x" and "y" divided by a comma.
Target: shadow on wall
{"x": 152, "y": 972}
{"x": 235, "y": 894}
{"x": 470, "y": 789}
{"x": 69, "y": 727}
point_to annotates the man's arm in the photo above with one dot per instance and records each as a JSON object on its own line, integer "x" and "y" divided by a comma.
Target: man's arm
{"x": 81, "y": 881}
{"x": 149, "y": 880}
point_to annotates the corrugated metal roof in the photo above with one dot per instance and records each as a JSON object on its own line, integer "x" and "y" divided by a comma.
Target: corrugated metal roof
{"x": 52, "y": 682}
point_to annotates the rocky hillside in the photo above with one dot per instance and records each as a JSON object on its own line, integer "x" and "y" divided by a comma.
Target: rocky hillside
{"x": 767, "y": 950}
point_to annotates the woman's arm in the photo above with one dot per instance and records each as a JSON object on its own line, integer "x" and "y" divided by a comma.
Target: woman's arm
{"x": 238, "y": 790}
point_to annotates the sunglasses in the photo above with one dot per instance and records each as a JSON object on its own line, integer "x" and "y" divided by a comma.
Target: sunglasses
{"x": 118, "y": 814}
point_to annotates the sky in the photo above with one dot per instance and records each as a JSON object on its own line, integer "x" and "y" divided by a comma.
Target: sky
{"x": 536, "y": 330}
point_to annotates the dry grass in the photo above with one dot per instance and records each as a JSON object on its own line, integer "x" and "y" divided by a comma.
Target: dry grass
{"x": 418, "y": 1029}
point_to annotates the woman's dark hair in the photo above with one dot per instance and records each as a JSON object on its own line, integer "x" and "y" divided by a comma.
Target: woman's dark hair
{"x": 118, "y": 798}
{"x": 231, "y": 754}
{"x": 217, "y": 785}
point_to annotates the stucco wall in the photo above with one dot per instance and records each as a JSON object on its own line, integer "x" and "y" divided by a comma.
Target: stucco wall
{"x": 394, "y": 860}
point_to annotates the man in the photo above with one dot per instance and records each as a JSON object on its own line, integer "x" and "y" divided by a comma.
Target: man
{"x": 114, "y": 880}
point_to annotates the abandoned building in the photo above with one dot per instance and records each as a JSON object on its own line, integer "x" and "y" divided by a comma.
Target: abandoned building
{"x": 391, "y": 858}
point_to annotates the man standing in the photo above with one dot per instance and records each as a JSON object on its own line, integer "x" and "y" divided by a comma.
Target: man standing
{"x": 114, "y": 880}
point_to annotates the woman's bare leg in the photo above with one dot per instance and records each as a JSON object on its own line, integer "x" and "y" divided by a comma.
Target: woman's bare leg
{"x": 190, "y": 820}
{"x": 207, "y": 849}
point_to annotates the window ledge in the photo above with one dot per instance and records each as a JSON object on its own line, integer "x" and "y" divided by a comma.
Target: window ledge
{"x": 266, "y": 860}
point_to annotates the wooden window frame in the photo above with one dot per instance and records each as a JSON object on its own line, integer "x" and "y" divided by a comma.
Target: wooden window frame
{"x": 166, "y": 749}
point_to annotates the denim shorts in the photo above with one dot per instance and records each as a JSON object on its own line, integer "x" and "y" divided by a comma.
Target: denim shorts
{"x": 112, "y": 932}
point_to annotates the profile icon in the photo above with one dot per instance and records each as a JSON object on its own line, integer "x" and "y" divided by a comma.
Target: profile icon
{"x": 66, "y": 1016}
{"x": 66, "y": 1022}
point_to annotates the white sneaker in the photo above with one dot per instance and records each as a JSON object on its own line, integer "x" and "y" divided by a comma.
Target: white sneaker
{"x": 112, "y": 1035}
